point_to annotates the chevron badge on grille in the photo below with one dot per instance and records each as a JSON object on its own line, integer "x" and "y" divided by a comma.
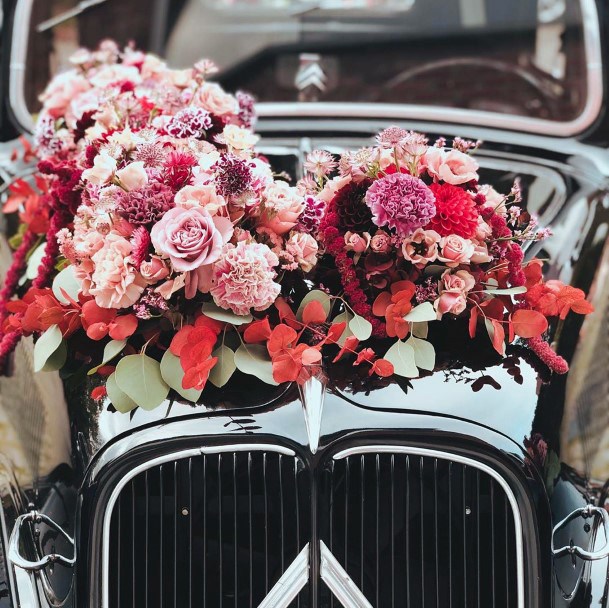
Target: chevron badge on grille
{"x": 310, "y": 79}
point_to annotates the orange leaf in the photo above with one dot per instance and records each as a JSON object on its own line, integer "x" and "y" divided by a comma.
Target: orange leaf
{"x": 529, "y": 323}
{"x": 473, "y": 321}
{"x": 310, "y": 356}
{"x": 381, "y": 303}
{"x": 313, "y": 313}
{"x": 180, "y": 340}
{"x": 335, "y": 332}
{"x": 382, "y": 367}
{"x": 286, "y": 314}
{"x": 258, "y": 331}
{"x": 281, "y": 338}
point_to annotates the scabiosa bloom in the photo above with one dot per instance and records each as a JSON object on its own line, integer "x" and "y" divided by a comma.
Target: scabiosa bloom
{"x": 311, "y": 216}
{"x": 189, "y": 122}
{"x": 320, "y": 163}
{"x": 456, "y": 211}
{"x": 244, "y": 278}
{"x": 145, "y": 205}
{"x": 233, "y": 176}
{"x": 401, "y": 202}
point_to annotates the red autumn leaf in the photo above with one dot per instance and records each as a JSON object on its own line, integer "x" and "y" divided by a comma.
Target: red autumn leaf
{"x": 98, "y": 393}
{"x": 212, "y": 324}
{"x": 122, "y": 327}
{"x": 348, "y": 347}
{"x": 258, "y": 331}
{"x": 310, "y": 356}
{"x": 286, "y": 314}
{"x": 282, "y": 337}
{"x": 180, "y": 340}
{"x": 582, "y": 307}
{"x": 20, "y": 190}
{"x": 105, "y": 370}
{"x": 335, "y": 332}
{"x": 529, "y": 323}
{"x": 473, "y": 322}
{"x": 381, "y": 303}
{"x": 498, "y": 337}
{"x": 382, "y": 368}
{"x": 196, "y": 377}
{"x": 313, "y": 313}
{"x": 285, "y": 369}
{"x": 365, "y": 355}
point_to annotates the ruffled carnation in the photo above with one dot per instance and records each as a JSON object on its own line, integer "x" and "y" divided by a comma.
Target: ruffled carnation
{"x": 244, "y": 278}
{"x": 456, "y": 211}
{"x": 146, "y": 205}
{"x": 401, "y": 202}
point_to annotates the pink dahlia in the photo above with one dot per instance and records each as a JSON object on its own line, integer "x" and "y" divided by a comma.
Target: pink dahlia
{"x": 401, "y": 202}
{"x": 244, "y": 278}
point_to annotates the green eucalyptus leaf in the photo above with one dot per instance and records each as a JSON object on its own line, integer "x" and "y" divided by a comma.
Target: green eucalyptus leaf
{"x": 361, "y": 328}
{"x": 66, "y": 280}
{"x": 424, "y": 353}
{"x": 46, "y": 346}
{"x": 509, "y": 291}
{"x": 58, "y": 359}
{"x": 420, "y": 330}
{"x": 121, "y": 402}
{"x": 225, "y": 316}
{"x": 320, "y": 296}
{"x": 225, "y": 366}
{"x": 111, "y": 350}
{"x": 173, "y": 374}
{"x": 140, "y": 378}
{"x": 401, "y": 355}
{"x": 422, "y": 312}
{"x": 34, "y": 261}
{"x": 254, "y": 359}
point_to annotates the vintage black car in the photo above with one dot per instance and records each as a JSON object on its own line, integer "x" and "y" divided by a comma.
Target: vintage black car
{"x": 482, "y": 484}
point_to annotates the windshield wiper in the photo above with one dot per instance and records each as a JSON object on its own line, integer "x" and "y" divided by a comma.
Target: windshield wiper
{"x": 80, "y": 8}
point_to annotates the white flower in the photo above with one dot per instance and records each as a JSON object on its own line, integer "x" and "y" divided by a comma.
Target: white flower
{"x": 102, "y": 171}
{"x": 133, "y": 176}
{"x": 238, "y": 138}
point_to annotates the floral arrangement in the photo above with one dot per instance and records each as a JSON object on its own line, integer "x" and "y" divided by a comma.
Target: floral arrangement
{"x": 157, "y": 250}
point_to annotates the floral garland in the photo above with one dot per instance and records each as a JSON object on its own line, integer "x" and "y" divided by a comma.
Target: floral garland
{"x": 158, "y": 251}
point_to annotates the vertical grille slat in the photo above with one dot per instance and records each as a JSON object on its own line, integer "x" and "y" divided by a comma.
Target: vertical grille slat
{"x": 420, "y": 531}
{"x": 208, "y": 530}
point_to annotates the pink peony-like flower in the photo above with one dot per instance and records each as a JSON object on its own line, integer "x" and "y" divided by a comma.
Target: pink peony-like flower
{"x": 333, "y": 186}
{"x": 303, "y": 247}
{"x": 401, "y": 202}
{"x": 200, "y": 196}
{"x": 455, "y": 250}
{"x": 115, "y": 283}
{"x": 190, "y": 237}
{"x": 481, "y": 254}
{"x": 422, "y": 247}
{"x": 282, "y": 208}
{"x": 244, "y": 278}
{"x": 451, "y": 166}
{"x": 214, "y": 99}
{"x": 133, "y": 176}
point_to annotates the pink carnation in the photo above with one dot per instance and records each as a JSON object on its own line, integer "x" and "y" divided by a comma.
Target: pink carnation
{"x": 401, "y": 202}
{"x": 244, "y": 278}
{"x": 115, "y": 283}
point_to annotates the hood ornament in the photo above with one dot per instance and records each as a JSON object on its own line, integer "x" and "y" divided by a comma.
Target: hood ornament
{"x": 312, "y": 395}
{"x": 311, "y": 79}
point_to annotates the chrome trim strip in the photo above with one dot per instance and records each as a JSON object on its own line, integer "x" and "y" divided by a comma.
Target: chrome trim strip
{"x": 290, "y": 583}
{"x": 16, "y": 85}
{"x": 415, "y": 451}
{"x": 217, "y": 449}
{"x": 339, "y": 582}
{"x": 312, "y": 395}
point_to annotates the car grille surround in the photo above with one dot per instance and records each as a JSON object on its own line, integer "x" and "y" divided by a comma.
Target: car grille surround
{"x": 404, "y": 526}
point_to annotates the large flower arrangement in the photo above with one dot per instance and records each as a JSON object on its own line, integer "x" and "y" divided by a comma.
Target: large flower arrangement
{"x": 158, "y": 251}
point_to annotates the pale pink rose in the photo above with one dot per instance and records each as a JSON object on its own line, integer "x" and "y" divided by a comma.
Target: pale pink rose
{"x": 154, "y": 270}
{"x": 200, "y": 196}
{"x": 62, "y": 90}
{"x": 480, "y": 255}
{"x": 214, "y": 99}
{"x": 238, "y": 138}
{"x": 190, "y": 237}
{"x": 483, "y": 230}
{"x": 460, "y": 281}
{"x": 380, "y": 242}
{"x": 111, "y": 74}
{"x": 358, "y": 243}
{"x": 282, "y": 208}
{"x": 133, "y": 176}
{"x": 455, "y": 250}
{"x": 303, "y": 247}
{"x": 102, "y": 170}
{"x": 422, "y": 247}
{"x": 494, "y": 200}
{"x": 450, "y": 302}
{"x": 333, "y": 186}
{"x": 451, "y": 166}
{"x": 87, "y": 243}
{"x": 115, "y": 283}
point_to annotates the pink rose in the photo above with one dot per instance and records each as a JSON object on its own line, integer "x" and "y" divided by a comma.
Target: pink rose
{"x": 282, "y": 208}
{"x": 155, "y": 270}
{"x": 461, "y": 281}
{"x": 200, "y": 196}
{"x": 214, "y": 99}
{"x": 333, "y": 186}
{"x": 115, "y": 283}
{"x": 357, "y": 242}
{"x": 190, "y": 237}
{"x": 494, "y": 200}
{"x": 62, "y": 90}
{"x": 455, "y": 250}
{"x": 483, "y": 231}
{"x": 380, "y": 242}
{"x": 481, "y": 254}
{"x": 450, "y": 302}
{"x": 451, "y": 166}
{"x": 133, "y": 176}
{"x": 102, "y": 170}
{"x": 303, "y": 247}
{"x": 422, "y": 247}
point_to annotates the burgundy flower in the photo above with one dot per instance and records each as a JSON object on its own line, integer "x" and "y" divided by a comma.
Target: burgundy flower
{"x": 177, "y": 169}
{"x": 145, "y": 205}
{"x": 311, "y": 216}
{"x": 189, "y": 122}
{"x": 233, "y": 176}
{"x": 353, "y": 213}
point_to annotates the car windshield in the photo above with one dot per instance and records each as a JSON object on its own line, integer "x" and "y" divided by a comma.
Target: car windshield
{"x": 525, "y": 58}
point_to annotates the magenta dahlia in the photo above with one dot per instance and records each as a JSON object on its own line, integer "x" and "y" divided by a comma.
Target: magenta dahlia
{"x": 401, "y": 202}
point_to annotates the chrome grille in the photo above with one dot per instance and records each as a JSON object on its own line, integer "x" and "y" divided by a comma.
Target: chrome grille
{"x": 420, "y": 531}
{"x": 208, "y": 530}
